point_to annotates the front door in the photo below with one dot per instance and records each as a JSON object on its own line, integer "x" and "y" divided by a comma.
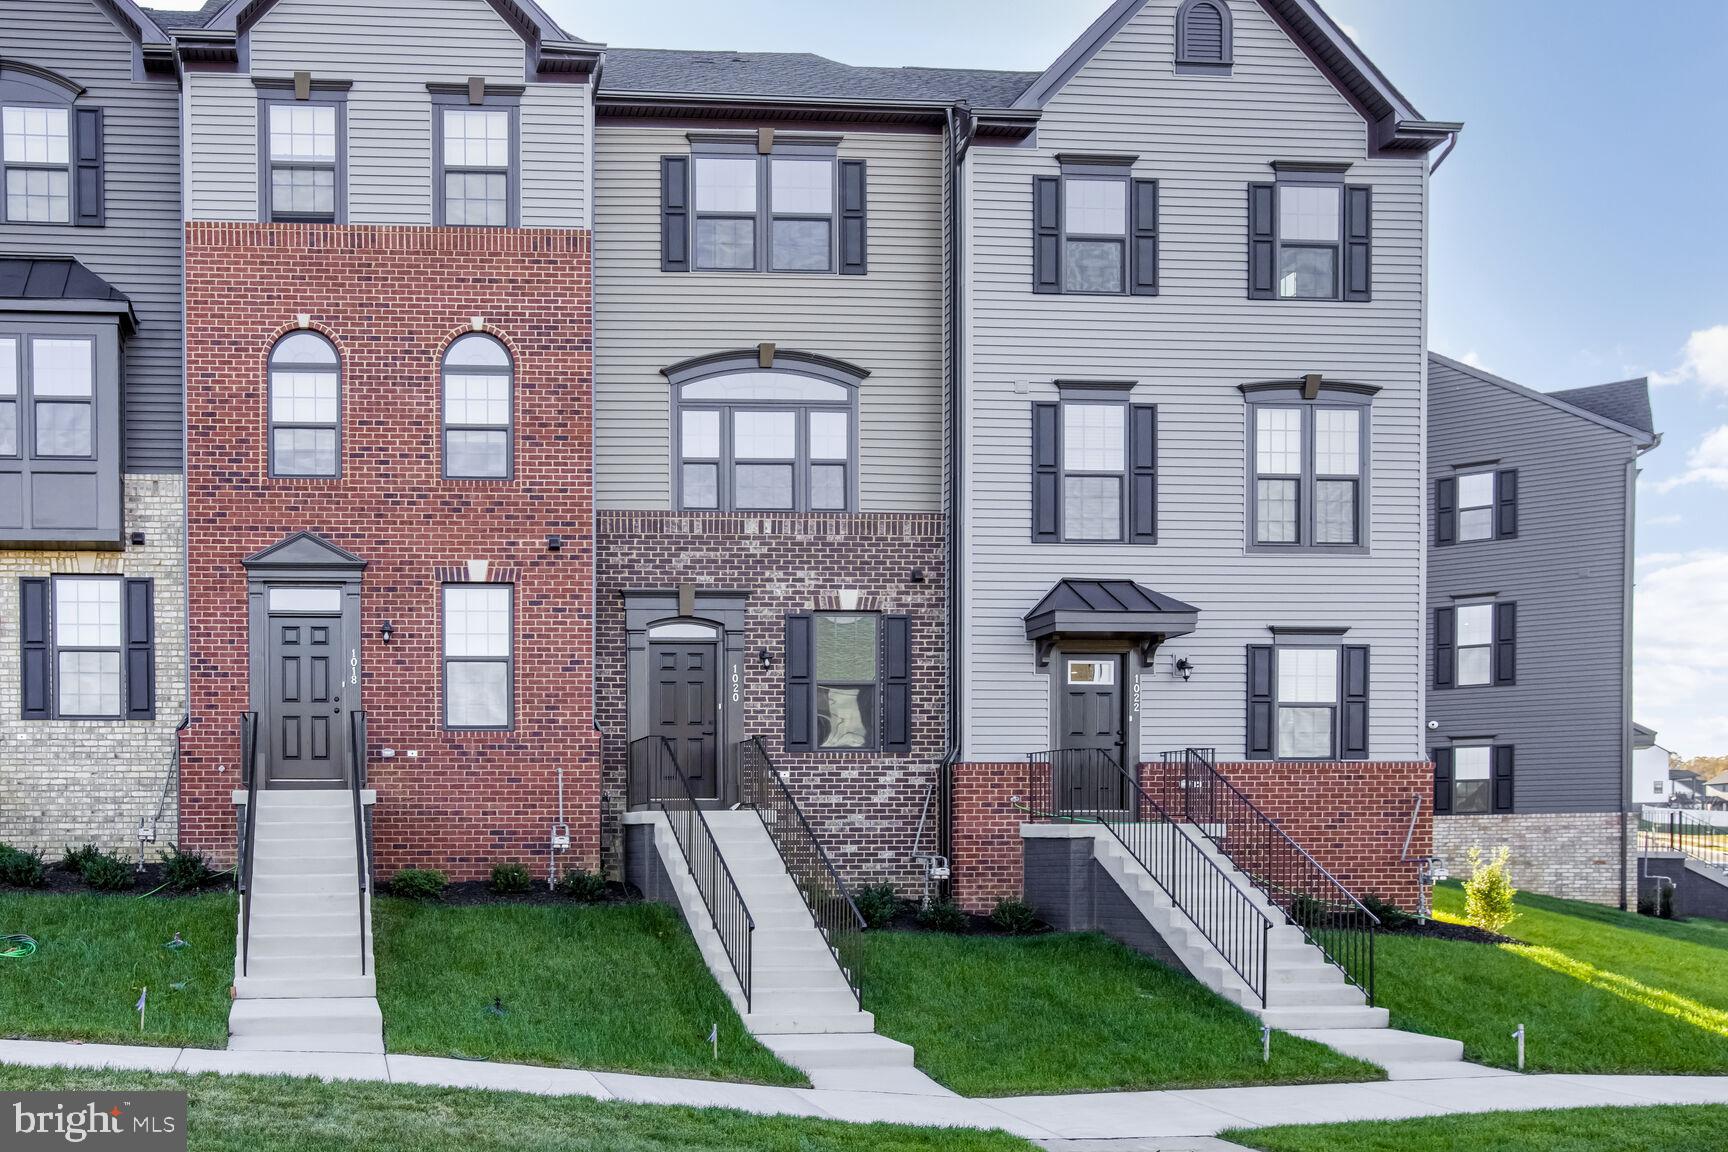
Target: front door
{"x": 1092, "y": 733}
{"x": 306, "y": 722}
{"x": 683, "y": 707}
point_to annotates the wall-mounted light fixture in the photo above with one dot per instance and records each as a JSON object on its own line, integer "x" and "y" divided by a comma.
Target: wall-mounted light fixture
{"x": 1184, "y": 667}
{"x": 386, "y": 630}
{"x": 917, "y": 576}
{"x": 763, "y": 658}
{"x": 554, "y": 543}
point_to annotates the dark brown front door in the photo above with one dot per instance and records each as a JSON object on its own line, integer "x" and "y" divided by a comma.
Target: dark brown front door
{"x": 1092, "y": 733}
{"x": 683, "y": 707}
{"x": 306, "y": 727}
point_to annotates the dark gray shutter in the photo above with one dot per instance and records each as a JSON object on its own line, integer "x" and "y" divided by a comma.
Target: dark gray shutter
{"x": 1506, "y": 643}
{"x": 1442, "y": 781}
{"x": 1446, "y": 511}
{"x": 674, "y": 213}
{"x": 87, "y": 173}
{"x": 896, "y": 684}
{"x": 1143, "y": 474}
{"x": 1258, "y": 742}
{"x": 1262, "y": 241}
{"x": 33, "y": 632}
{"x": 1046, "y": 234}
{"x": 1445, "y": 647}
{"x": 140, "y": 650}
{"x": 1502, "y": 777}
{"x": 1358, "y": 242}
{"x": 1353, "y": 725}
{"x": 1143, "y": 230}
{"x": 854, "y": 228}
{"x": 1046, "y": 472}
{"x": 1506, "y": 503}
{"x": 800, "y": 688}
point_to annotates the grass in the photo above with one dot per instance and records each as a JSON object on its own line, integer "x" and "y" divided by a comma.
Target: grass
{"x": 1598, "y": 990}
{"x": 246, "y": 1114}
{"x": 1002, "y": 1016}
{"x": 95, "y": 953}
{"x": 1667, "y": 1128}
{"x": 616, "y": 987}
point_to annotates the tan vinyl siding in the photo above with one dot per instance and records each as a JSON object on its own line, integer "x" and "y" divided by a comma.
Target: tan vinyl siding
{"x": 1205, "y": 138}
{"x": 888, "y": 322}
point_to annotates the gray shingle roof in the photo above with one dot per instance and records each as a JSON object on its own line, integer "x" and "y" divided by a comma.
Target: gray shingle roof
{"x": 800, "y": 74}
{"x": 1624, "y": 402}
{"x": 168, "y": 19}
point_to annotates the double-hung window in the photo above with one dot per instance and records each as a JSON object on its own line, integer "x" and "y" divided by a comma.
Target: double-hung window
{"x": 476, "y": 158}
{"x": 1473, "y": 778}
{"x": 477, "y": 403}
{"x": 1310, "y": 236}
{"x": 1310, "y": 229}
{"x": 1309, "y": 461}
{"x": 1307, "y": 702}
{"x": 302, "y": 165}
{"x": 62, "y": 394}
{"x": 1307, "y": 698}
{"x": 1475, "y": 643}
{"x": 1095, "y": 229}
{"x": 848, "y": 682}
{"x": 1094, "y": 454}
{"x": 1476, "y": 503}
{"x": 773, "y": 212}
{"x": 1094, "y": 233}
{"x": 1472, "y": 771}
{"x": 305, "y": 406}
{"x": 1094, "y": 467}
{"x": 60, "y": 459}
{"x": 88, "y": 648}
{"x": 479, "y": 656}
{"x": 36, "y": 148}
{"x": 8, "y": 396}
{"x": 1476, "y": 506}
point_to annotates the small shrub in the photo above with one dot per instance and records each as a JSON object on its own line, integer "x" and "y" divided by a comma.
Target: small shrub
{"x": 583, "y": 886}
{"x": 185, "y": 871}
{"x": 75, "y": 860}
{"x": 22, "y": 869}
{"x": 1665, "y": 902}
{"x": 943, "y": 916}
{"x": 106, "y": 872}
{"x": 1014, "y": 916}
{"x": 511, "y": 879}
{"x": 878, "y": 904}
{"x": 1488, "y": 892}
{"x": 1308, "y": 912}
{"x": 419, "y": 883}
{"x": 1391, "y": 916}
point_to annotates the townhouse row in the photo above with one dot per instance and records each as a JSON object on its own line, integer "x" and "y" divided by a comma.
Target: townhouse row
{"x": 425, "y": 397}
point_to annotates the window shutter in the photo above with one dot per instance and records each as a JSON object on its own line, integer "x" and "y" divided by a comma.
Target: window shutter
{"x": 674, "y": 213}
{"x": 140, "y": 650}
{"x": 1506, "y": 643}
{"x": 1046, "y": 475}
{"x": 1143, "y": 225}
{"x": 1258, "y": 744}
{"x": 1506, "y": 503}
{"x": 800, "y": 689}
{"x": 854, "y": 229}
{"x": 1262, "y": 241}
{"x": 87, "y": 172}
{"x": 896, "y": 684}
{"x": 1502, "y": 777}
{"x": 1445, "y": 647}
{"x": 1046, "y": 234}
{"x": 1353, "y": 734}
{"x": 1446, "y": 511}
{"x": 1142, "y": 474}
{"x": 1358, "y": 242}
{"x": 1442, "y": 781}
{"x": 33, "y": 632}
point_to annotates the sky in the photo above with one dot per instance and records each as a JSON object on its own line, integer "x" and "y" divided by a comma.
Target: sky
{"x": 1571, "y": 237}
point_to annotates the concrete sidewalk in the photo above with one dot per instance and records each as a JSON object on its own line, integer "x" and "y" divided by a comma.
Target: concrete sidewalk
{"x": 1138, "y": 1116}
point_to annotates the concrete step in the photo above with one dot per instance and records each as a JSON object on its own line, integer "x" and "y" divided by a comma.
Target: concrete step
{"x": 1441, "y": 1070}
{"x": 1320, "y": 972}
{"x": 334, "y": 1015}
{"x": 265, "y": 924}
{"x": 279, "y": 946}
{"x": 1385, "y": 1046}
{"x": 306, "y": 884}
{"x": 807, "y": 979}
{"x": 280, "y": 867}
{"x": 1310, "y": 995}
{"x": 304, "y": 967}
{"x": 897, "y": 1081}
{"x": 315, "y": 1042}
{"x": 343, "y": 903}
{"x": 256, "y": 987}
{"x": 840, "y": 1050}
{"x": 1329, "y": 1017}
{"x": 802, "y": 1002}
{"x": 305, "y": 826}
{"x": 779, "y": 1023}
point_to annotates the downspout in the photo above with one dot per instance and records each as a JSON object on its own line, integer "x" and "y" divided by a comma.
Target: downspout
{"x": 956, "y": 116}
{"x": 1626, "y": 640}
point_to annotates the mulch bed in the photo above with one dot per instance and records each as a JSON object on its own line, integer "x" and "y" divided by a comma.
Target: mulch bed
{"x": 59, "y": 880}
{"x": 1442, "y": 930}
{"x": 476, "y": 892}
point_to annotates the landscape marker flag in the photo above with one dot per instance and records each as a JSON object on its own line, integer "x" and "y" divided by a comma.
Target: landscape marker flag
{"x": 714, "y": 1038}
{"x": 143, "y": 997}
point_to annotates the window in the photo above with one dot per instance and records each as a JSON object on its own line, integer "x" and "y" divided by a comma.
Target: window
{"x": 1203, "y": 36}
{"x": 1309, "y": 229}
{"x": 1473, "y": 778}
{"x": 305, "y": 406}
{"x": 1094, "y": 476}
{"x": 1307, "y": 698}
{"x": 478, "y": 656}
{"x": 774, "y": 212}
{"x": 304, "y": 153}
{"x": 1310, "y": 236}
{"x": 60, "y": 427}
{"x": 765, "y": 440}
{"x": 1094, "y": 233}
{"x": 1476, "y": 644}
{"x": 477, "y": 409}
{"x": 847, "y": 682}
{"x": 1472, "y": 768}
{"x": 87, "y": 644}
{"x": 1307, "y": 702}
{"x": 62, "y": 391}
{"x": 35, "y": 144}
{"x": 1093, "y": 453}
{"x": 1095, "y": 230}
{"x": 8, "y": 396}
{"x": 1308, "y": 474}
{"x": 476, "y": 163}
{"x": 1476, "y": 506}
{"x": 88, "y": 648}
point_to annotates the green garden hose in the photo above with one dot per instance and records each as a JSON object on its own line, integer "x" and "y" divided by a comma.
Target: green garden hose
{"x": 16, "y": 947}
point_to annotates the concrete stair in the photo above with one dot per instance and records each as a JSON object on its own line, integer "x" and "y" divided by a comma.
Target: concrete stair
{"x": 303, "y": 988}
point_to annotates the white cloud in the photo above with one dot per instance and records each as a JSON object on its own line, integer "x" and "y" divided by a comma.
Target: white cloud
{"x": 1666, "y": 521}
{"x": 1705, "y": 464}
{"x": 1680, "y": 650}
{"x": 1350, "y": 31}
{"x": 1472, "y": 359}
{"x": 1704, "y": 360}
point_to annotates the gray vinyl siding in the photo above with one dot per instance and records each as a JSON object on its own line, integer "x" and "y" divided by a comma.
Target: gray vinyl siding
{"x": 138, "y": 249}
{"x": 1205, "y": 138}
{"x": 389, "y": 55}
{"x": 1566, "y": 715}
{"x": 888, "y": 322}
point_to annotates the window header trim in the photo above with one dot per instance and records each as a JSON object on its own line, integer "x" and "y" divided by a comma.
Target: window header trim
{"x": 749, "y": 360}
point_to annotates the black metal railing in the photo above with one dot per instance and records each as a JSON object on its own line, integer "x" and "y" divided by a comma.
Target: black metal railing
{"x": 831, "y": 907}
{"x": 654, "y": 780}
{"x": 1088, "y": 784}
{"x": 1689, "y": 833}
{"x": 357, "y": 782}
{"x": 247, "y": 847}
{"x": 1328, "y": 913}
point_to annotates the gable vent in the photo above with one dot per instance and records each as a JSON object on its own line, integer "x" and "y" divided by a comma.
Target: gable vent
{"x": 1203, "y": 33}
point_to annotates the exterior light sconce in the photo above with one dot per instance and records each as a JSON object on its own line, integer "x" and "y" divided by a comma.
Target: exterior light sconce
{"x": 763, "y": 658}
{"x": 917, "y": 576}
{"x": 1184, "y": 668}
{"x": 554, "y": 543}
{"x": 386, "y": 630}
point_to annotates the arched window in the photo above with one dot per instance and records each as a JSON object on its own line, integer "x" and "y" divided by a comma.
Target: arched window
{"x": 41, "y": 152}
{"x": 477, "y": 406}
{"x": 305, "y": 406}
{"x": 1203, "y": 34}
{"x": 751, "y": 439}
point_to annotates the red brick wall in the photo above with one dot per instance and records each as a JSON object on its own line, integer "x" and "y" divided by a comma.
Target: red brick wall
{"x": 864, "y": 806}
{"x": 987, "y": 860}
{"x": 391, "y": 299}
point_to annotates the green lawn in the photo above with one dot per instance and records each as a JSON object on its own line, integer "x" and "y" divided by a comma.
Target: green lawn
{"x": 619, "y": 987}
{"x": 250, "y": 1114}
{"x": 1660, "y": 1129}
{"x": 1598, "y": 990}
{"x": 1002, "y": 1016}
{"x": 96, "y": 953}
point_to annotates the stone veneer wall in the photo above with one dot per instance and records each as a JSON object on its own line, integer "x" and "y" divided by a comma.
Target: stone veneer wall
{"x": 90, "y": 781}
{"x": 1573, "y": 855}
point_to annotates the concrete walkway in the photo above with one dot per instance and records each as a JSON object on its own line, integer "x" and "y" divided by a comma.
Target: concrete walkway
{"x": 1141, "y": 1117}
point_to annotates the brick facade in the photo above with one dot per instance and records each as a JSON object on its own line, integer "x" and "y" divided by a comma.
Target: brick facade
{"x": 1573, "y": 855}
{"x": 865, "y": 807}
{"x": 391, "y": 299}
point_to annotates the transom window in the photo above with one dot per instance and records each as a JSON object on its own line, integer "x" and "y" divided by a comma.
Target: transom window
{"x": 1307, "y": 702}
{"x": 1476, "y": 506}
{"x": 36, "y": 150}
{"x": 477, "y": 160}
{"x": 1310, "y": 227}
{"x": 1472, "y": 778}
{"x": 1095, "y": 233}
{"x": 304, "y": 142}
{"x": 848, "y": 681}
{"x": 478, "y": 383}
{"x": 305, "y": 406}
{"x": 1475, "y": 644}
{"x": 774, "y": 212}
{"x": 479, "y": 654}
{"x": 1308, "y": 474}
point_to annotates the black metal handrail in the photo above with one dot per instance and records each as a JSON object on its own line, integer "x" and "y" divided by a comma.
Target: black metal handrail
{"x": 1690, "y": 835}
{"x": 1328, "y": 913}
{"x": 655, "y": 780}
{"x": 357, "y": 782}
{"x": 832, "y": 909}
{"x": 1088, "y": 784}
{"x": 249, "y": 831}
